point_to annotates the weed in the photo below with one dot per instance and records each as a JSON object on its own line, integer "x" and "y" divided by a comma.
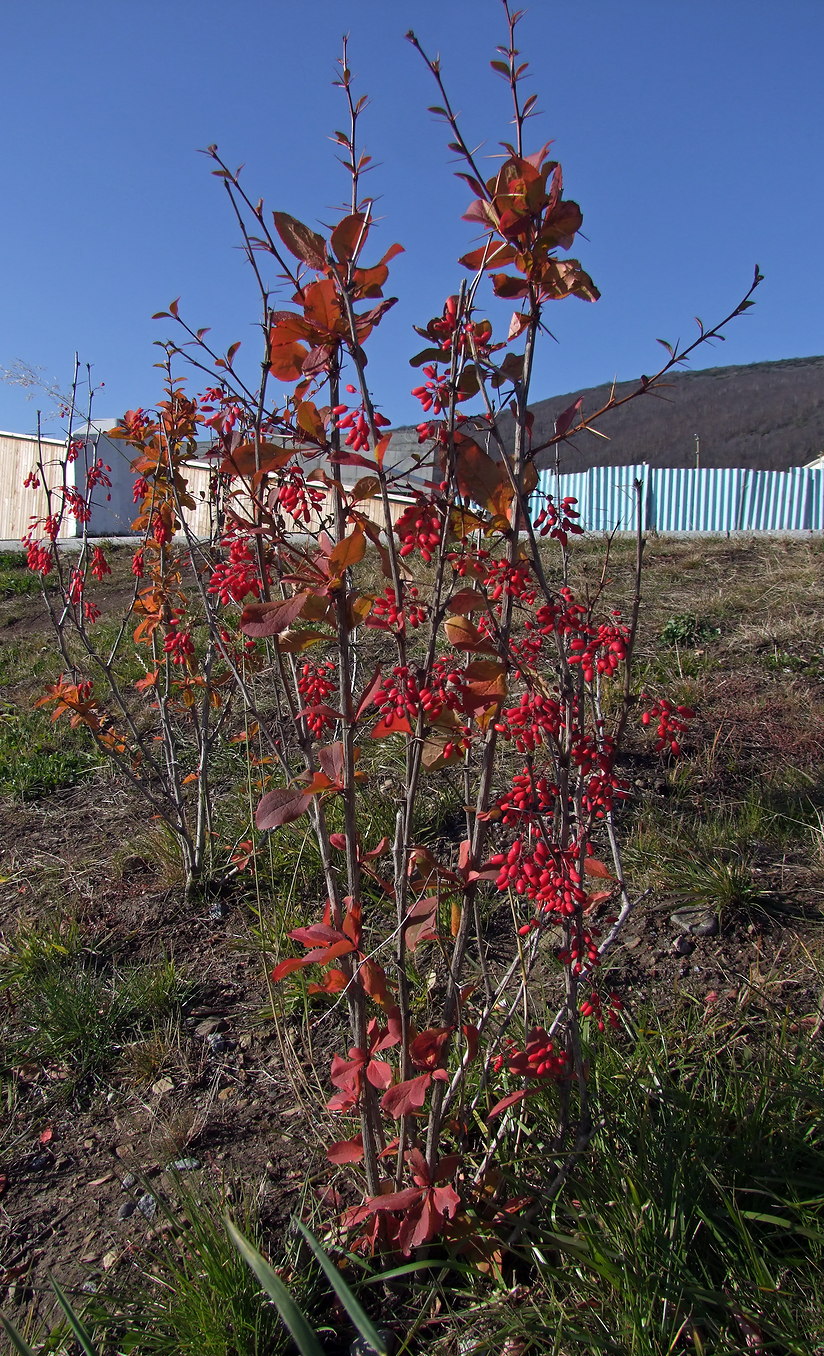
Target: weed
{"x": 74, "y": 1009}
{"x": 687, "y": 630}
{"x": 35, "y": 760}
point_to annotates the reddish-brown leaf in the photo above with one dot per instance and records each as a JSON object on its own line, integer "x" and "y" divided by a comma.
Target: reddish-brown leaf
{"x": 301, "y": 240}
{"x": 270, "y": 619}
{"x": 348, "y": 236}
{"x": 281, "y": 806}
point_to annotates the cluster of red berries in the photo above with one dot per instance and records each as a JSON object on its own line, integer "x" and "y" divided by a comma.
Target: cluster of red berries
{"x": 582, "y": 953}
{"x": 233, "y": 579}
{"x": 546, "y": 874}
{"x": 472, "y": 563}
{"x": 562, "y": 618}
{"x": 600, "y": 653}
{"x": 178, "y": 644}
{"x": 39, "y": 558}
{"x": 100, "y": 565}
{"x": 538, "y": 1059}
{"x": 98, "y": 474}
{"x": 559, "y": 520}
{"x": 419, "y": 528}
{"x": 531, "y": 723}
{"x": 386, "y": 615}
{"x": 140, "y": 488}
{"x": 593, "y": 1007}
{"x": 32, "y": 481}
{"x": 298, "y": 498}
{"x": 671, "y": 721}
{"x": 161, "y": 530}
{"x": 356, "y": 425}
{"x": 74, "y": 449}
{"x": 77, "y": 506}
{"x": 90, "y": 612}
{"x": 513, "y": 580}
{"x": 435, "y": 393}
{"x": 316, "y": 683}
{"x": 74, "y": 593}
{"x": 138, "y": 564}
{"x": 529, "y": 795}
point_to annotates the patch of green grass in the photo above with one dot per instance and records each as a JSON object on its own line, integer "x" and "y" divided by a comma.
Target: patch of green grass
{"x": 687, "y": 630}
{"x": 194, "y": 1295}
{"x": 697, "y": 1214}
{"x": 73, "y": 1007}
{"x": 36, "y": 758}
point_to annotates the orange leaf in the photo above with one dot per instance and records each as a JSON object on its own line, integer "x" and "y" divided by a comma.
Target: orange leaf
{"x": 349, "y": 551}
{"x": 593, "y": 867}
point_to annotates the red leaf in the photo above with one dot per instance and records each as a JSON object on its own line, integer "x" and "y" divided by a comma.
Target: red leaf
{"x": 397, "y": 1200}
{"x": 346, "y": 1150}
{"x": 510, "y": 1100}
{"x": 317, "y": 934}
{"x": 281, "y": 806}
{"x": 369, "y": 693}
{"x": 245, "y": 461}
{"x": 335, "y": 981}
{"x": 388, "y": 725}
{"x": 46, "y": 1135}
{"x": 407, "y": 1097}
{"x": 567, "y": 417}
{"x": 425, "y": 1049}
{"x": 286, "y": 967}
{"x": 462, "y": 634}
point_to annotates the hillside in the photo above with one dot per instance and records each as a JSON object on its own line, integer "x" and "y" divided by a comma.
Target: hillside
{"x": 766, "y": 415}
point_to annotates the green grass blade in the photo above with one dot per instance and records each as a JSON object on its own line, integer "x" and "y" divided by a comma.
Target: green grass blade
{"x": 76, "y": 1326}
{"x": 291, "y": 1315}
{"x": 359, "y": 1317}
{"x": 20, "y": 1346}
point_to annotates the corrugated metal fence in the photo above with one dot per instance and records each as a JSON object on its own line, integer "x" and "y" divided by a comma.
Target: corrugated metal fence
{"x": 709, "y": 499}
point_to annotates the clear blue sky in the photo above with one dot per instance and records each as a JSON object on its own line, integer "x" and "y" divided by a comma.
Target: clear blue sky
{"x": 689, "y": 132}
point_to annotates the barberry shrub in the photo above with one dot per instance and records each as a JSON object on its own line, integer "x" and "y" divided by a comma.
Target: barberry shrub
{"x": 397, "y": 624}
{"x": 155, "y": 684}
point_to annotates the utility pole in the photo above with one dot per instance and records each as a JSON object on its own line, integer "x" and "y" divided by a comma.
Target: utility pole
{"x": 697, "y": 451}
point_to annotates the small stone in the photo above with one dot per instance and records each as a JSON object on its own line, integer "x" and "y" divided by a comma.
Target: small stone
{"x": 217, "y": 1043}
{"x": 683, "y": 946}
{"x": 89, "y": 1287}
{"x": 127, "y": 1208}
{"x": 147, "y": 1205}
{"x": 185, "y": 1164}
{"x": 162, "y": 1086}
{"x": 128, "y": 1181}
{"x": 39, "y": 1162}
{"x": 696, "y": 921}
{"x": 631, "y": 943}
{"x": 124, "y": 1150}
{"x": 216, "y": 912}
{"x": 226, "y": 1094}
{"x": 210, "y": 1024}
{"x": 110, "y": 1259}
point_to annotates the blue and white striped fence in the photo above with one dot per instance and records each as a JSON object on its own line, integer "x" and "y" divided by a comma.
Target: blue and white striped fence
{"x": 706, "y": 499}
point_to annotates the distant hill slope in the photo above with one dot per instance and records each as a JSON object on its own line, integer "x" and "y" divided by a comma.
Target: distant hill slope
{"x": 765, "y": 415}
